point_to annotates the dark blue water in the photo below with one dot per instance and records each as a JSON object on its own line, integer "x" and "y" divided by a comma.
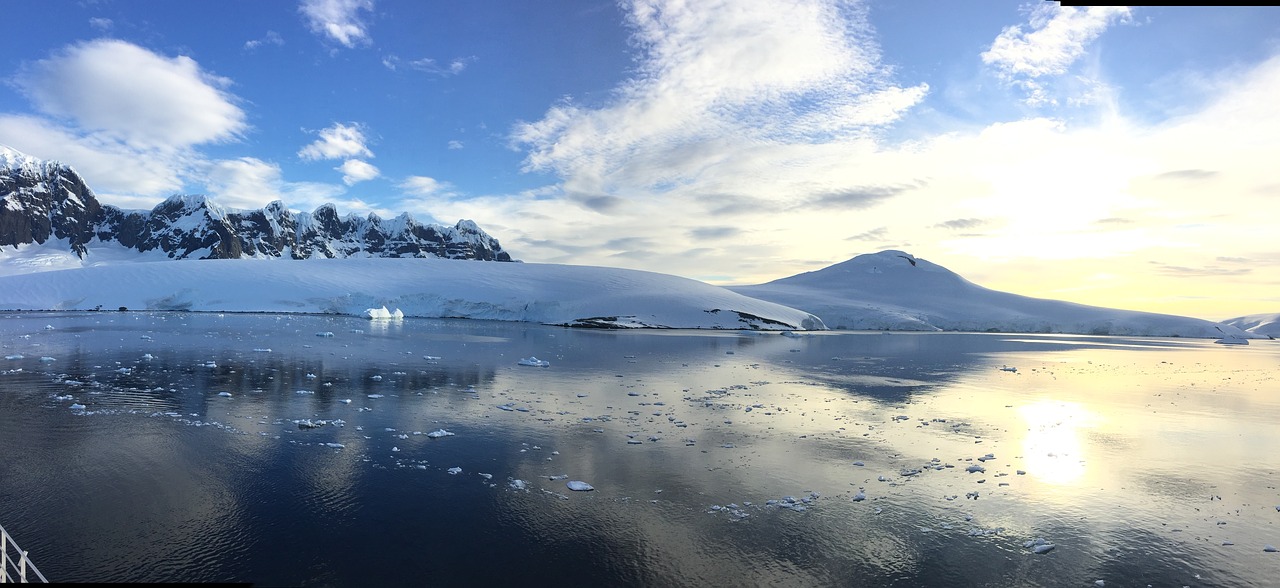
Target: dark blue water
{"x": 1137, "y": 458}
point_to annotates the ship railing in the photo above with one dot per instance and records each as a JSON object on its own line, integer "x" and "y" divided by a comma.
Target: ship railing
{"x": 14, "y": 568}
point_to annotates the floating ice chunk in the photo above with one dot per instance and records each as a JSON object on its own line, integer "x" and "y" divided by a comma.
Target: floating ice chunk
{"x": 345, "y": 401}
{"x": 14, "y": 356}
{"x": 262, "y": 350}
{"x": 1100, "y": 583}
{"x": 485, "y": 476}
{"x": 431, "y": 357}
{"x": 518, "y": 485}
{"x": 375, "y": 396}
{"x": 453, "y": 471}
{"x": 325, "y": 334}
{"x": 210, "y": 364}
{"x": 395, "y": 449}
{"x": 148, "y": 357}
{"x": 47, "y": 359}
{"x": 48, "y": 327}
{"x": 1008, "y": 368}
{"x": 376, "y": 378}
{"x": 579, "y": 486}
{"x": 975, "y": 468}
{"x": 77, "y": 406}
{"x": 860, "y": 496}
{"x": 438, "y": 433}
{"x": 506, "y": 407}
{"x": 1269, "y": 548}
{"x": 986, "y": 457}
{"x": 304, "y": 391}
{"x": 226, "y": 394}
{"x": 335, "y": 445}
{"x": 1039, "y": 545}
{"x": 383, "y": 314}
{"x": 532, "y": 361}
{"x": 859, "y": 464}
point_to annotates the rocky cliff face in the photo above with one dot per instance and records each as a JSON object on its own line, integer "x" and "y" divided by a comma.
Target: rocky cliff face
{"x": 41, "y": 200}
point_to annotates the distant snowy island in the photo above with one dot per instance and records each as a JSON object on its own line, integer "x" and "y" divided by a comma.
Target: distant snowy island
{"x": 61, "y": 250}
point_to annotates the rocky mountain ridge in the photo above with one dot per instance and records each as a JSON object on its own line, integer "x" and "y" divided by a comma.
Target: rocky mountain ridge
{"x": 42, "y": 200}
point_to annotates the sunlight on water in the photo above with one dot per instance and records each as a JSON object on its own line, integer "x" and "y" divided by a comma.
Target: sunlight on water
{"x": 1051, "y": 448}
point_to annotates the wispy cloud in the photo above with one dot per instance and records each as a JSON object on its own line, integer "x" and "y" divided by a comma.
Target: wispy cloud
{"x": 338, "y": 20}
{"x": 961, "y": 224}
{"x": 876, "y": 234}
{"x": 270, "y": 38}
{"x": 337, "y": 142}
{"x": 426, "y": 186}
{"x": 455, "y": 145}
{"x": 101, "y": 25}
{"x": 1055, "y": 38}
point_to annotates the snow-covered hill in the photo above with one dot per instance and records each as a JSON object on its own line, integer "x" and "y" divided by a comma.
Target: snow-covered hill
{"x": 543, "y": 293}
{"x": 1267, "y": 325}
{"x": 892, "y": 290}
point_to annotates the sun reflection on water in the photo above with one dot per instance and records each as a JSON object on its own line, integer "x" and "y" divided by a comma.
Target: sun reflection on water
{"x": 1052, "y": 448}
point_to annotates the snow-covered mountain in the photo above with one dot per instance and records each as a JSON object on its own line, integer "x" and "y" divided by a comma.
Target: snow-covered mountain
{"x": 43, "y": 201}
{"x": 893, "y": 290}
{"x": 1267, "y": 325}
{"x": 545, "y": 293}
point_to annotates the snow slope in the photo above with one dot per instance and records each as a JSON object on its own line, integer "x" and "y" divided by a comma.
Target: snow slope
{"x": 543, "y": 293}
{"x": 892, "y": 290}
{"x": 1267, "y": 325}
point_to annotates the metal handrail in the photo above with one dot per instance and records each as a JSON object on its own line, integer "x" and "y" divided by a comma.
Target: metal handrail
{"x": 6, "y": 562}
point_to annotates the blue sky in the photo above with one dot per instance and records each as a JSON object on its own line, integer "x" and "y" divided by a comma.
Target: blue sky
{"x": 1114, "y": 156}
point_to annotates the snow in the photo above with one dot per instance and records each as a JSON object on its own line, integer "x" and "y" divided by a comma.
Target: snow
{"x": 895, "y": 291}
{"x": 1266, "y": 325}
{"x": 542, "y": 293}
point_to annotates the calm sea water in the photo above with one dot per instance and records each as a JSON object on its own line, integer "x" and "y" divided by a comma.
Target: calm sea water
{"x": 717, "y": 458}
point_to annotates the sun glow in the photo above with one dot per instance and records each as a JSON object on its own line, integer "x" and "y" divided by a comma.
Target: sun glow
{"x": 1052, "y": 447}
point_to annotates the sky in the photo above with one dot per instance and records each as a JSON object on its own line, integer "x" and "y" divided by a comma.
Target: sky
{"x": 1120, "y": 157}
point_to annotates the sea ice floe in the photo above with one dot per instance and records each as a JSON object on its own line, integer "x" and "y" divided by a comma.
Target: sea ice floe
{"x": 262, "y": 350}
{"x": 325, "y": 334}
{"x": 518, "y": 485}
{"x": 1269, "y": 548}
{"x": 431, "y": 357}
{"x": 226, "y": 394}
{"x": 438, "y": 433}
{"x": 860, "y": 496}
{"x": 1039, "y": 545}
{"x": 375, "y": 396}
{"x": 975, "y": 468}
{"x": 14, "y": 356}
{"x": 77, "y": 406}
{"x": 532, "y": 361}
{"x": 1008, "y": 369}
{"x": 47, "y": 359}
{"x": 579, "y": 486}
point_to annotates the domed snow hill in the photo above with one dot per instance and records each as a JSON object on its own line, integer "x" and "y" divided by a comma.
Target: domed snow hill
{"x": 895, "y": 291}
{"x": 439, "y": 288}
{"x": 50, "y": 219}
{"x": 1266, "y": 325}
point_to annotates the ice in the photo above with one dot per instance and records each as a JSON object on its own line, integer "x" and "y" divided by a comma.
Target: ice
{"x": 375, "y": 396}
{"x": 453, "y": 471}
{"x": 226, "y": 394}
{"x": 1269, "y": 548}
{"x": 383, "y": 314}
{"x": 14, "y": 356}
{"x": 431, "y": 357}
{"x": 532, "y": 361}
{"x": 518, "y": 485}
{"x": 1008, "y": 369}
{"x": 1039, "y": 545}
{"x": 975, "y": 468}
{"x": 860, "y": 496}
{"x": 262, "y": 350}
{"x": 345, "y": 401}
{"x": 438, "y": 433}
{"x": 76, "y": 406}
{"x": 579, "y": 486}
{"x": 47, "y": 359}
{"x": 325, "y": 334}
{"x": 335, "y": 445}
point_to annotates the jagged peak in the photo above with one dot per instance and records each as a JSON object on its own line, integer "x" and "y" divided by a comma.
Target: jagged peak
{"x": 15, "y": 160}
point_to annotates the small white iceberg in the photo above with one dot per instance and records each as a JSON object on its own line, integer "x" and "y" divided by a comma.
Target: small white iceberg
{"x": 453, "y": 471}
{"x": 325, "y": 334}
{"x": 383, "y": 314}
{"x": 532, "y": 361}
{"x": 226, "y": 394}
{"x": 438, "y": 433}
{"x": 77, "y": 406}
{"x": 579, "y": 486}
{"x": 1039, "y": 545}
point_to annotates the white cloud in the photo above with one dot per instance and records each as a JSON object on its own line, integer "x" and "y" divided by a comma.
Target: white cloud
{"x": 337, "y": 142}
{"x": 718, "y": 84}
{"x": 355, "y": 170}
{"x": 425, "y": 186}
{"x": 271, "y": 38}
{"x": 246, "y": 182}
{"x": 132, "y": 95}
{"x": 339, "y": 20}
{"x": 101, "y": 24}
{"x": 1058, "y": 37}
{"x": 455, "y": 144}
